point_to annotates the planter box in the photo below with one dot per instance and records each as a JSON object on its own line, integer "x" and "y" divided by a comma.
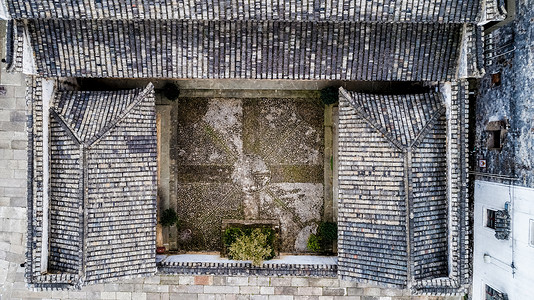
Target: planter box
{"x": 251, "y": 224}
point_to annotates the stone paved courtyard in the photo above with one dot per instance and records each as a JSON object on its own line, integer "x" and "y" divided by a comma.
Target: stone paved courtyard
{"x": 243, "y": 158}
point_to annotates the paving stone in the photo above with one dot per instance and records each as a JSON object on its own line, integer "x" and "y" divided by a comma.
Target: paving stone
{"x": 393, "y": 292}
{"x": 204, "y": 280}
{"x": 324, "y": 282}
{"x": 334, "y": 291}
{"x": 123, "y": 295}
{"x": 154, "y": 296}
{"x": 285, "y": 290}
{"x": 259, "y": 281}
{"x": 20, "y": 155}
{"x": 299, "y": 281}
{"x": 281, "y": 281}
{"x": 223, "y": 289}
{"x": 266, "y": 290}
{"x": 13, "y": 126}
{"x": 184, "y": 279}
{"x": 220, "y": 280}
{"x": 371, "y": 292}
{"x": 237, "y": 281}
{"x": 249, "y": 290}
{"x": 172, "y": 280}
{"x": 155, "y": 288}
{"x": 187, "y": 289}
{"x": 139, "y": 296}
{"x": 18, "y": 116}
{"x": 77, "y": 295}
{"x": 353, "y": 291}
{"x": 311, "y": 291}
{"x": 6, "y": 154}
{"x": 189, "y": 296}
{"x": 152, "y": 280}
{"x": 5, "y": 144}
{"x": 280, "y": 297}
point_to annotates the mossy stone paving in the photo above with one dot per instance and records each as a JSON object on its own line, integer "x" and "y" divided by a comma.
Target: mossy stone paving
{"x": 248, "y": 158}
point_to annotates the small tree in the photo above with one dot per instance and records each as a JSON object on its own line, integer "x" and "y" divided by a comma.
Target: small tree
{"x": 329, "y": 95}
{"x": 326, "y": 234}
{"x": 251, "y": 246}
{"x": 168, "y": 218}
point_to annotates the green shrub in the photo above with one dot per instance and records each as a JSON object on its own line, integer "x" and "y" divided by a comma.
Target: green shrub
{"x": 313, "y": 243}
{"x": 329, "y": 95}
{"x": 168, "y": 218}
{"x": 327, "y": 231}
{"x": 171, "y": 91}
{"x": 251, "y": 246}
{"x": 326, "y": 234}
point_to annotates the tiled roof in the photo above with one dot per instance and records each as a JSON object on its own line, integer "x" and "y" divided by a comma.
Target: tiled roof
{"x": 493, "y": 10}
{"x": 103, "y": 186}
{"x": 246, "y": 49}
{"x": 402, "y": 118}
{"x": 89, "y": 114}
{"x": 445, "y": 11}
{"x": 392, "y": 188}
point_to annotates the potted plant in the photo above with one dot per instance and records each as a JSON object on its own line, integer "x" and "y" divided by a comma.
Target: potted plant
{"x": 168, "y": 218}
{"x": 322, "y": 241}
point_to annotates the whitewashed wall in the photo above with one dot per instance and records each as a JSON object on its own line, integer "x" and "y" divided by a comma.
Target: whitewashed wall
{"x": 518, "y": 283}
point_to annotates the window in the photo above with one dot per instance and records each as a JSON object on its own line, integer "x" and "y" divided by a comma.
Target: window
{"x": 490, "y": 218}
{"x": 496, "y": 79}
{"x": 496, "y": 131}
{"x": 492, "y": 294}
{"x": 531, "y": 238}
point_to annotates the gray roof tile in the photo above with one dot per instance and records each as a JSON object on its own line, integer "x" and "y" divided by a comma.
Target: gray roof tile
{"x": 445, "y": 11}
{"x": 246, "y": 49}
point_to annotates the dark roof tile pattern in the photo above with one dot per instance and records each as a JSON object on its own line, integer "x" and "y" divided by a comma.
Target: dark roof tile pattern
{"x": 248, "y": 49}
{"x": 65, "y": 233}
{"x": 87, "y": 113}
{"x": 121, "y": 200}
{"x": 494, "y": 10}
{"x": 429, "y": 187}
{"x": 429, "y": 11}
{"x": 392, "y": 188}
{"x": 103, "y": 187}
{"x": 402, "y": 117}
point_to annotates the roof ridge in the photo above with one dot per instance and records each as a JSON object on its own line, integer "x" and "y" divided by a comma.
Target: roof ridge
{"x": 78, "y": 121}
{"x": 140, "y": 97}
{"x": 415, "y": 118}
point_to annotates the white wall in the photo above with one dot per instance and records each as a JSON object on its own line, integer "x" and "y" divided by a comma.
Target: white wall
{"x": 518, "y": 283}
{"x": 48, "y": 93}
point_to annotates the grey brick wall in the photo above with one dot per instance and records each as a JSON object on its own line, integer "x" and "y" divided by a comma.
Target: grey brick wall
{"x": 13, "y": 166}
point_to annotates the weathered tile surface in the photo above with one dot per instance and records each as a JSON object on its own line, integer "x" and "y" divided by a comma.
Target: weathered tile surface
{"x": 393, "y": 188}
{"x": 246, "y": 49}
{"x": 102, "y": 178}
{"x": 458, "y": 11}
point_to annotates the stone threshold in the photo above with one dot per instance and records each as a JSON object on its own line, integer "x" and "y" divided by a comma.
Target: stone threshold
{"x": 286, "y": 265}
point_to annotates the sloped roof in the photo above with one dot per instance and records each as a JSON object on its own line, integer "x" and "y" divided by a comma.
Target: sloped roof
{"x": 102, "y": 220}
{"x": 89, "y": 114}
{"x": 246, "y": 49}
{"x": 404, "y": 119}
{"x": 445, "y": 11}
{"x": 393, "y": 188}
